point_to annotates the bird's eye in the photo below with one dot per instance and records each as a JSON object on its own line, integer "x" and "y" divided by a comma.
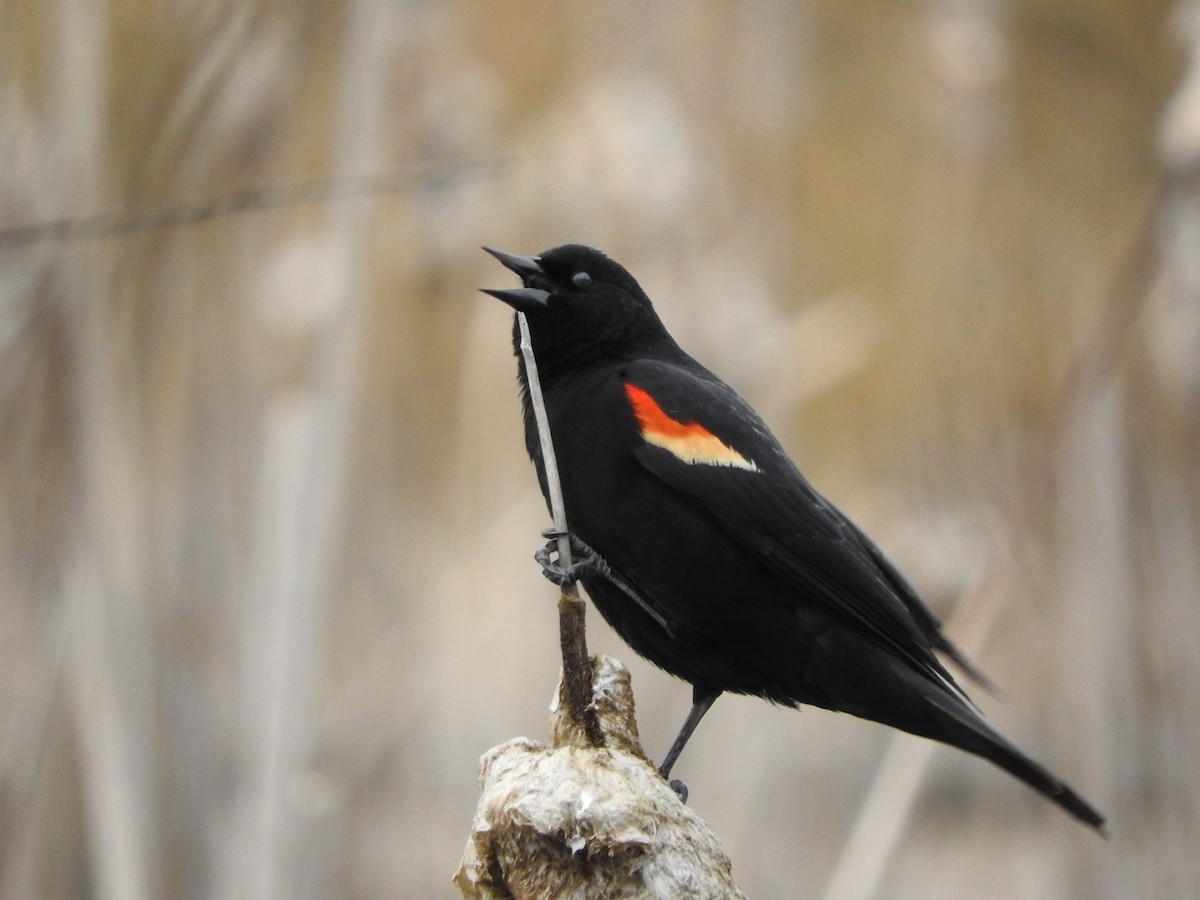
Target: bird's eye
{"x": 581, "y": 279}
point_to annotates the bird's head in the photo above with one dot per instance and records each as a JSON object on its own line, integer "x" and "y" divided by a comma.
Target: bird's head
{"x": 578, "y": 301}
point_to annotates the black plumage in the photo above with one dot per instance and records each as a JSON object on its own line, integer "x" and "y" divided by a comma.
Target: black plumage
{"x": 729, "y": 569}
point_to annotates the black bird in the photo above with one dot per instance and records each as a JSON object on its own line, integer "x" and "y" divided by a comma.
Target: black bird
{"x": 704, "y": 547}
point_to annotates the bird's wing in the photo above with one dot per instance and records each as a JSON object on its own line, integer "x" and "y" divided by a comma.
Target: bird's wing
{"x": 922, "y": 615}
{"x": 704, "y": 441}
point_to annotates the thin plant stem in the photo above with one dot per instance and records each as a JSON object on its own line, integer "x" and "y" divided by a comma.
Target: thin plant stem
{"x": 577, "y": 666}
{"x": 252, "y": 199}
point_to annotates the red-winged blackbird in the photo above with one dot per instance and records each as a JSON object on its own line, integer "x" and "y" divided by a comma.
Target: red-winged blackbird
{"x": 706, "y": 549}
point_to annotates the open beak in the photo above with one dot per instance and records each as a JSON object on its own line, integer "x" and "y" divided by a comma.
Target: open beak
{"x": 525, "y": 299}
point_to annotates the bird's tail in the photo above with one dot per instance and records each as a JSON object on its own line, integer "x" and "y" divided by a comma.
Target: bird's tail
{"x": 917, "y": 704}
{"x": 1013, "y": 761}
{"x": 967, "y": 731}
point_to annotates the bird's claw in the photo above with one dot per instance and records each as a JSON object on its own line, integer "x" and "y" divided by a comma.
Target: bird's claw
{"x": 679, "y": 788}
{"x": 587, "y": 562}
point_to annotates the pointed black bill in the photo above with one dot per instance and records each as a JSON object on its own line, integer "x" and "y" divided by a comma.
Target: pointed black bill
{"x": 522, "y": 265}
{"x": 524, "y": 299}
{"x": 521, "y": 299}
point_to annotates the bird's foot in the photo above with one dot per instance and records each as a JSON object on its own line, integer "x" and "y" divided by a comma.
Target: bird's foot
{"x": 679, "y": 788}
{"x": 586, "y": 560}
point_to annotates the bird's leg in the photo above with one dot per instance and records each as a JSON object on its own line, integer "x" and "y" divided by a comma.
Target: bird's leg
{"x": 702, "y": 699}
{"x": 589, "y": 562}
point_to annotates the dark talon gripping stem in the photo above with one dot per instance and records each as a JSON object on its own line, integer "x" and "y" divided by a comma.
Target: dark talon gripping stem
{"x": 590, "y": 563}
{"x": 680, "y": 789}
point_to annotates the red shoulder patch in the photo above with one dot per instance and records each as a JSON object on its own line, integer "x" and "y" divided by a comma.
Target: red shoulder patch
{"x": 690, "y": 442}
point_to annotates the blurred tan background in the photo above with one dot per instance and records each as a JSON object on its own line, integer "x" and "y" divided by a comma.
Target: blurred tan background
{"x": 266, "y": 517}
